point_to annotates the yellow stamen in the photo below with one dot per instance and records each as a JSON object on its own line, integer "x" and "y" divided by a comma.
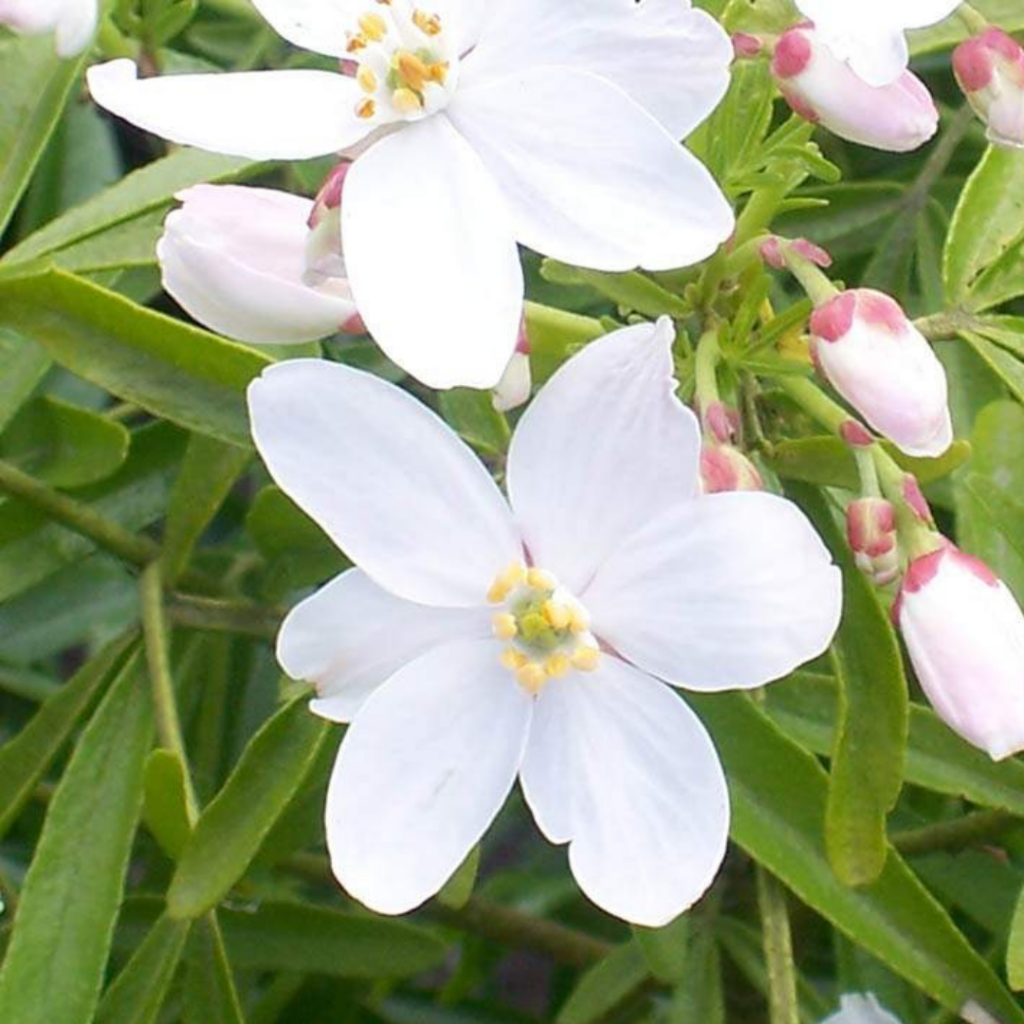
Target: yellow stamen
{"x": 367, "y": 80}
{"x": 412, "y": 70}
{"x": 356, "y": 43}
{"x": 531, "y": 677}
{"x": 504, "y": 626}
{"x": 373, "y": 26}
{"x": 557, "y": 614}
{"x": 586, "y": 658}
{"x": 428, "y": 24}
{"x": 506, "y": 582}
{"x": 541, "y": 579}
{"x": 557, "y": 665}
{"x": 512, "y": 659}
{"x": 366, "y": 109}
{"x": 579, "y": 620}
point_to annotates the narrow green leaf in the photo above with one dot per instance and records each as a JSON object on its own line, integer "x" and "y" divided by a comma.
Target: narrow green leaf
{"x": 605, "y": 985}
{"x": 1005, "y": 365}
{"x": 210, "y": 996}
{"x": 554, "y": 335}
{"x": 699, "y": 998}
{"x": 165, "y": 806}
{"x": 779, "y": 793}
{"x": 73, "y": 889}
{"x": 37, "y": 84}
{"x": 138, "y": 992}
{"x": 473, "y": 416}
{"x": 208, "y": 472}
{"x": 1015, "y": 947}
{"x": 172, "y": 370}
{"x": 230, "y": 831}
{"x": 632, "y": 290}
{"x": 666, "y": 949}
{"x": 25, "y": 759}
{"x": 458, "y": 889}
{"x": 24, "y": 365}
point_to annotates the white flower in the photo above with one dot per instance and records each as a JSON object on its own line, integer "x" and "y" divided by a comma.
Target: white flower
{"x": 860, "y": 1010}
{"x": 477, "y": 642}
{"x": 237, "y": 260}
{"x": 870, "y": 34}
{"x": 73, "y": 21}
{"x": 483, "y": 123}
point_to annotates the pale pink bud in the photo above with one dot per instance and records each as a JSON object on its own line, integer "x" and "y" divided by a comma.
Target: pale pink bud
{"x": 871, "y": 531}
{"x": 328, "y": 199}
{"x": 864, "y": 345}
{"x": 965, "y": 634}
{"x": 73, "y": 21}
{"x": 235, "y": 259}
{"x": 516, "y": 384}
{"x": 773, "y": 255}
{"x": 746, "y": 46}
{"x": 725, "y": 468}
{"x": 825, "y": 90}
{"x": 990, "y": 70}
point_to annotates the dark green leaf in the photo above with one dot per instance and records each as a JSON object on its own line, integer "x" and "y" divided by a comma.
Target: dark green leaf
{"x": 605, "y": 985}
{"x": 209, "y": 991}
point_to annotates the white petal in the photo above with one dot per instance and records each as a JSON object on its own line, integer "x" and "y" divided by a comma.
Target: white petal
{"x": 263, "y": 115}
{"x": 351, "y": 635}
{"x": 391, "y": 485}
{"x": 432, "y": 258}
{"x": 31, "y": 15}
{"x": 234, "y": 258}
{"x": 857, "y": 1009}
{"x": 618, "y": 765}
{"x": 76, "y": 26}
{"x": 728, "y": 591}
{"x": 590, "y": 177}
{"x": 673, "y": 60}
{"x": 604, "y": 446}
{"x": 422, "y": 772}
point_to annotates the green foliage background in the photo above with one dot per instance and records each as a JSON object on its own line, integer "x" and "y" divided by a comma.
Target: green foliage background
{"x": 145, "y": 561}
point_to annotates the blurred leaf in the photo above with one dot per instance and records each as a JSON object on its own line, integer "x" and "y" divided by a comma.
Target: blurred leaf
{"x": 165, "y": 806}
{"x": 26, "y": 758}
{"x": 457, "y": 890}
{"x": 472, "y": 415}
{"x": 58, "y": 953}
{"x": 605, "y": 985}
{"x": 779, "y": 795}
{"x": 1015, "y": 947}
{"x": 699, "y": 997}
{"x": 180, "y": 373}
{"x": 554, "y": 335}
{"x": 666, "y": 949}
{"x": 24, "y": 364}
{"x": 1008, "y": 14}
{"x": 138, "y": 992}
{"x": 209, "y": 992}
{"x": 231, "y": 829}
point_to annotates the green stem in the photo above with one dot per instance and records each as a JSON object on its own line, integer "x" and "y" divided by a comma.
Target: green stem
{"x": 973, "y": 20}
{"x": 812, "y": 279}
{"x": 223, "y": 616}
{"x": 831, "y": 415}
{"x": 154, "y": 629}
{"x": 974, "y": 829}
{"x": 706, "y": 370}
{"x": 784, "y": 1007}
{"x": 943, "y": 326}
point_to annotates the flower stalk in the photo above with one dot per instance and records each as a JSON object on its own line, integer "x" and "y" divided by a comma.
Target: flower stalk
{"x": 784, "y": 1007}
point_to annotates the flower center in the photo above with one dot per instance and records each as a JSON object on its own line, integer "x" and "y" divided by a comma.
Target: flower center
{"x": 404, "y": 63}
{"x": 547, "y": 629}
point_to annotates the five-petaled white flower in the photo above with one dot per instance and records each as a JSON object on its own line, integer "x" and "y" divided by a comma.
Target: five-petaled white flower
{"x": 480, "y": 639}
{"x": 73, "y": 21}
{"x": 870, "y": 35}
{"x": 481, "y": 123}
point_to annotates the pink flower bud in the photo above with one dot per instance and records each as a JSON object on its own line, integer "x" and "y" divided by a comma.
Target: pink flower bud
{"x": 725, "y": 468}
{"x": 864, "y": 345}
{"x": 965, "y": 634}
{"x": 236, "y": 260}
{"x": 746, "y": 46}
{"x": 328, "y": 199}
{"x": 772, "y": 254}
{"x": 516, "y": 383}
{"x": 825, "y": 90}
{"x": 990, "y": 70}
{"x": 871, "y": 531}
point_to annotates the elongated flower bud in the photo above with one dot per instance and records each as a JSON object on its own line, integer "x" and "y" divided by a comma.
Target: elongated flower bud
{"x": 990, "y": 70}
{"x": 725, "y": 468}
{"x": 825, "y": 90}
{"x": 965, "y": 634}
{"x": 871, "y": 531}
{"x": 864, "y": 345}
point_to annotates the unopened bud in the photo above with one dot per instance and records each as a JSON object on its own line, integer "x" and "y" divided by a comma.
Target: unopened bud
{"x": 772, "y": 254}
{"x": 990, "y": 70}
{"x": 825, "y": 90}
{"x": 864, "y": 345}
{"x": 964, "y": 632}
{"x": 516, "y": 384}
{"x": 725, "y": 468}
{"x": 328, "y": 199}
{"x": 871, "y": 531}
{"x": 746, "y": 46}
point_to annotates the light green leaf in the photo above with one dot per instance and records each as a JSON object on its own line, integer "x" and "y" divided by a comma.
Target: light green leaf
{"x": 605, "y": 985}
{"x": 24, "y": 364}
{"x": 1006, "y": 366}
{"x": 57, "y": 956}
{"x": 1015, "y": 947}
{"x": 632, "y": 290}
{"x": 210, "y": 996}
{"x": 165, "y": 804}
{"x": 666, "y": 949}
{"x": 230, "y": 831}
{"x": 472, "y": 415}
{"x": 554, "y": 335}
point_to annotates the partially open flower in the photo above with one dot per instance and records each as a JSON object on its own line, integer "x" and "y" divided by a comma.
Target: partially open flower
{"x": 73, "y": 21}
{"x": 864, "y": 345}
{"x": 538, "y": 636}
{"x": 898, "y": 117}
{"x": 965, "y": 634}
{"x": 990, "y": 70}
{"x": 238, "y": 260}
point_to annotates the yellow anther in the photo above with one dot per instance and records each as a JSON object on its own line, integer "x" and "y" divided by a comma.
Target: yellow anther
{"x": 413, "y": 71}
{"x": 579, "y": 620}
{"x": 586, "y": 658}
{"x": 513, "y": 659}
{"x": 356, "y": 43}
{"x": 557, "y": 665}
{"x": 367, "y": 80}
{"x": 439, "y": 72}
{"x": 541, "y": 579}
{"x": 531, "y": 677}
{"x": 428, "y": 24}
{"x": 506, "y": 582}
{"x": 366, "y": 109}
{"x": 557, "y": 614}
{"x": 504, "y": 626}
{"x": 373, "y": 26}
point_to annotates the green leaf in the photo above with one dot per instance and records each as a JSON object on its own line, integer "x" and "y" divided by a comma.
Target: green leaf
{"x": 605, "y": 985}
{"x": 666, "y": 949}
{"x": 165, "y": 806}
{"x": 699, "y": 998}
{"x": 999, "y": 507}
{"x": 37, "y": 84}
{"x": 472, "y": 415}
{"x": 210, "y": 996}
{"x": 1007, "y": 14}
{"x": 632, "y": 290}
{"x": 230, "y": 831}
{"x": 1006, "y": 366}
{"x": 209, "y": 471}
{"x": 299, "y": 937}
{"x": 24, "y": 365}
{"x": 25, "y": 759}
{"x": 55, "y": 963}
{"x": 64, "y": 445}
{"x": 870, "y": 744}
{"x": 555, "y": 335}
{"x": 457, "y": 890}
{"x": 1015, "y": 947}
{"x": 779, "y": 794}
{"x": 988, "y": 222}
{"x": 172, "y": 370}
{"x": 138, "y": 992}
